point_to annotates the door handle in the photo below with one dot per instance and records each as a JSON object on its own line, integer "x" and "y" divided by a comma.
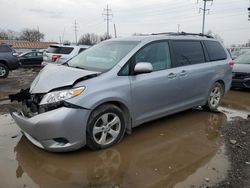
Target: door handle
{"x": 172, "y": 76}
{"x": 183, "y": 73}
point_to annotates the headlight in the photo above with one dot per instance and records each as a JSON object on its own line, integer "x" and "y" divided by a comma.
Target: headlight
{"x": 57, "y": 96}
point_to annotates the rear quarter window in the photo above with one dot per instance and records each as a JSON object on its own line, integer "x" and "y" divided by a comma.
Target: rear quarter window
{"x": 215, "y": 51}
{"x": 188, "y": 53}
{"x": 59, "y": 50}
{"x": 4, "y": 48}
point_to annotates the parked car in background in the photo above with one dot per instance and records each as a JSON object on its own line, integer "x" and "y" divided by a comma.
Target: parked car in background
{"x": 119, "y": 84}
{"x": 59, "y": 54}
{"x": 8, "y": 60}
{"x": 239, "y": 51}
{"x": 31, "y": 58}
{"x": 241, "y": 71}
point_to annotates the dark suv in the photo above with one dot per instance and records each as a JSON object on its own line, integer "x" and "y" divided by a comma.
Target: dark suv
{"x": 8, "y": 60}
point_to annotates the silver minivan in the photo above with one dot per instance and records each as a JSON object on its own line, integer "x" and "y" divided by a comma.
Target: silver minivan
{"x": 101, "y": 94}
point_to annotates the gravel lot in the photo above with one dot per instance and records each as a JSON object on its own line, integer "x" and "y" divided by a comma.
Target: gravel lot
{"x": 190, "y": 149}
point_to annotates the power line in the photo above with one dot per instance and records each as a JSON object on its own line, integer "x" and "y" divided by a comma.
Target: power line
{"x": 108, "y": 15}
{"x": 204, "y": 9}
{"x": 75, "y": 27}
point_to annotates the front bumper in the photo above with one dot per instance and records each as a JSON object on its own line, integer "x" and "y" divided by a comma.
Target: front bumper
{"x": 47, "y": 129}
{"x": 241, "y": 83}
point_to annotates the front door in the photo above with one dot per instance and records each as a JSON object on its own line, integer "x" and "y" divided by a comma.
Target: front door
{"x": 154, "y": 94}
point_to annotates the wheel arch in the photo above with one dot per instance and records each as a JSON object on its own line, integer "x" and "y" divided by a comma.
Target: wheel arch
{"x": 4, "y": 62}
{"x": 222, "y": 83}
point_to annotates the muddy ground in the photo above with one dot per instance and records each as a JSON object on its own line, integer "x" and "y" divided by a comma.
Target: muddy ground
{"x": 190, "y": 149}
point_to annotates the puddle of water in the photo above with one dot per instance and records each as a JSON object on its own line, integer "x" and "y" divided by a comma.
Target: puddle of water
{"x": 210, "y": 174}
{"x": 238, "y": 100}
{"x": 161, "y": 153}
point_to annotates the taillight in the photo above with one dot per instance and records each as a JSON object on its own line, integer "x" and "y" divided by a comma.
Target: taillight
{"x": 231, "y": 63}
{"x": 55, "y": 57}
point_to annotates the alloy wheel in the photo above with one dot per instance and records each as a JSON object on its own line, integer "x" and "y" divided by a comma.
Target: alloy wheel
{"x": 107, "y": 128}
{"x": 215, "y": 96}
{"x": 2, "y": 71}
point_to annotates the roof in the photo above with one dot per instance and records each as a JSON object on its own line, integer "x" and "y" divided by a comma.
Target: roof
{"x": 70, "y": 46}
{"x": 170, "y": 35}
{"x": 17, "y": 44}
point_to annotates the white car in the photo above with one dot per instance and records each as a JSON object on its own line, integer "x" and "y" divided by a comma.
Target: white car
{"x": 59, "y": 54}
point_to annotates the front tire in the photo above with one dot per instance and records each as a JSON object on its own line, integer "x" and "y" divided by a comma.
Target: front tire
{"x": 214, "y": 98}
{"x": 4, "y": 71}
{"x": 106, "y": 127}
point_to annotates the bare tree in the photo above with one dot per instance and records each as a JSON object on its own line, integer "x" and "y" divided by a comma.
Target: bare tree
{"x": 9, "y": 35}
{"x": 217, "y": 36}
{"x": 89, "y": 39}
{"x": 105, "y": 37}
{"x": 31, "y": 35}
{"x": 3, "y": 35}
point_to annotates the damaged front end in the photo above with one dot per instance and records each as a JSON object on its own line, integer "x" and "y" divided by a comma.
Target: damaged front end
{"x": 30, "y": 103}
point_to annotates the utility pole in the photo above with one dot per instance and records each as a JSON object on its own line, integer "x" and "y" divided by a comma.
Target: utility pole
{"x": 38, "y": 34}
{"x": 63, "y": 34}
{"x": 108, "y": 15}
{"x": 204, "y": 9}
{"x": 115, "y": 31}
{"x": 75, "y": 27}
{"x": 248, "y": 13}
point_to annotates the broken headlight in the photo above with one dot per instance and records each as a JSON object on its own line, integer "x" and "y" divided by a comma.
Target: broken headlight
{"x": 62, "y": 95}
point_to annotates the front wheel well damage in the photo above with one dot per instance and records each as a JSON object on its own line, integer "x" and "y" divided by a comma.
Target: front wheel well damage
{"x": 125, "y": 110}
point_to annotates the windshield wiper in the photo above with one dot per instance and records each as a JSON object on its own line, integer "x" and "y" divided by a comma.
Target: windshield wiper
{"x": 66, "y": 64}
{"x": 79, "y": 67}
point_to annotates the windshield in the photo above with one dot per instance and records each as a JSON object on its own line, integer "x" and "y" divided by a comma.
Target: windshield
{"x": 102, "y": 56}
{"x": 243, "y": 59}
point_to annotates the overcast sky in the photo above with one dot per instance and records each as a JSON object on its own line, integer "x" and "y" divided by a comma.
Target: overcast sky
{"x": 228, "y": 18}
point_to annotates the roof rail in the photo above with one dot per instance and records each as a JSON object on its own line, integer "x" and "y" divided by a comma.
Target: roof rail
{"x": 183, "y": 33}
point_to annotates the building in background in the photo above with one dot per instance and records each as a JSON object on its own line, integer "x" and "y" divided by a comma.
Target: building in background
{"x": 24, "y": 46}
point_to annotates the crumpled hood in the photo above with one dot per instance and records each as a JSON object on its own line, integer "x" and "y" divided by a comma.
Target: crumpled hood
{"x": 56, "y": 76}
{"x": 241, "y": 68}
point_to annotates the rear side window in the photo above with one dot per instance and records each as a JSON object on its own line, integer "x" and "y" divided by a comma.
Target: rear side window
{"x": 188, "y": 53}
{"x": 215, "y": 51}
{"x": 59, "y": 50}
{"x": 4, "y": 48}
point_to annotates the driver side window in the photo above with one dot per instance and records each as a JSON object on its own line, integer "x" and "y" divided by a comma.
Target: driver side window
{"x": 157, "y": 54}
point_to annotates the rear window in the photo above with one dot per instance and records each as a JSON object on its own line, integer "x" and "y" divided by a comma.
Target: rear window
{"x": 188, "y": 53}
{"x": 215, "y": 51}
{"x": 4, "y": 48}
{"x": 59, "y": 50}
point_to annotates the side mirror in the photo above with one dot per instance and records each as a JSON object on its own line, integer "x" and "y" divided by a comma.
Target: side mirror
{"x": 143, "y": 67}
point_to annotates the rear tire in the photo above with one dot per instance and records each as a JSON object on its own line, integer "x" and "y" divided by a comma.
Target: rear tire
{"x": 4, "y": 71}
{"x": 106, "y": 127}
{"x": 214, "y": 98}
